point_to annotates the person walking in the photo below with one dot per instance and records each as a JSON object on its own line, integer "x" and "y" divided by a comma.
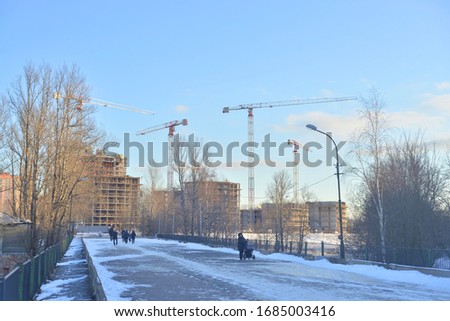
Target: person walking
{"x": 242, "y": 245}
{"x": 114, "y": 237}
{"x": 132, "y": 236}
{"x": 110, "y": 232}
{"x": 125, "y": 236}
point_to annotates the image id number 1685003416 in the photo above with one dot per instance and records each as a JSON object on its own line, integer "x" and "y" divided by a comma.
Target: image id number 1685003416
{"x": 298, "y": 311}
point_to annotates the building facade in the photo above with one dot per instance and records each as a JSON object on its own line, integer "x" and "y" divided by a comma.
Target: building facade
{"x": 251, "y": 220}
{"x": 296, "y": 218}
{"x": 324, "y": 216}
{"x": 116, "y": 195}
{"x": 6, "y": 193}
{"x": 215, "y": 206}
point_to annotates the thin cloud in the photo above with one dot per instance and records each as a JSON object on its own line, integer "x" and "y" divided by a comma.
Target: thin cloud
{"x": 181, "y": 109}
{"x": 437, "y": 102}
{"x": 344, "y": 126}
{"x": 414, "y": 119}
{"x": 445, "y": 85}
{"x": 340, "y": 125}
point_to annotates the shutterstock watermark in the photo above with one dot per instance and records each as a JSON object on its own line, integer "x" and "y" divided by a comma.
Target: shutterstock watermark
{"x": 214, "y": 154}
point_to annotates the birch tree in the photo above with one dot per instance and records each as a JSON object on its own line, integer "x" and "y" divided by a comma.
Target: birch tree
{"x": 369, "y": 149}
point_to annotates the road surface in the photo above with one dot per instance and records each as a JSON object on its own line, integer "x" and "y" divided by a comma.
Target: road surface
{"x": 155, "y": 270}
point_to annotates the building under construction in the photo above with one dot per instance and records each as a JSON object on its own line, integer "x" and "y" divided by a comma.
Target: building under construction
{"x": 217, "y": 204}
{"x": 210, "y": 208}
{"x": 115, "y": 197}
{"x": 293, "y": 216}
{"x": 324, "y": 216}
{"x": 312, "y": 216}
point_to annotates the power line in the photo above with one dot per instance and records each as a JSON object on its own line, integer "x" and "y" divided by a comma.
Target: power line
{"x": 303, "y": 188}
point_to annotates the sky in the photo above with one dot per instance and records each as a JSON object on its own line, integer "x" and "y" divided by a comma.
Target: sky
{"x": 321, "y": 280}
{"x": 189, "y": 59}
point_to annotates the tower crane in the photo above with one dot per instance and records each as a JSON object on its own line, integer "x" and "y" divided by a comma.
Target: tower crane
{"x": 94, "y": 101}
{"x": 296, "y": 163}
{"x": 171, "y": 125}
{"x": 249, "y": 108}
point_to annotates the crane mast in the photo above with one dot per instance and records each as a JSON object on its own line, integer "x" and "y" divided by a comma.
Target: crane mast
{"x": 171, "y": 125}
{"x": 249, "y": 108}
{"x": 251, "y": 169}
{"x": 295, "y": 166}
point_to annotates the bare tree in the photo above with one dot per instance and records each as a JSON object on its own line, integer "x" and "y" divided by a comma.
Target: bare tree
{"x": 403, "y": 189}
{"x": 45, "y": 149}
{"x": 65, "y": 162}
{"x": 278, "y": 190}
{"x": 368, "y": 152}
{"x": 149, "y": 200}
{"x": 196, "y": 211}
{"x": 4, "y": 115}
{"x": 415, "y": 193}
{"x": 181, "y": 168}
{"x": 306, "y": 196}
{"x": 29, "y": 127}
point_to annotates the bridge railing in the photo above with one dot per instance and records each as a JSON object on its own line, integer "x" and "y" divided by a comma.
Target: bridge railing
{"x": 23, "y": 282}
{"x": 291, "y": 247}
{"x": 428, "y": 258}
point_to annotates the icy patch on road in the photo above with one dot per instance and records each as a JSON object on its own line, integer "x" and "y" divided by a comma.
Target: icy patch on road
{"x": 55, "y": 287}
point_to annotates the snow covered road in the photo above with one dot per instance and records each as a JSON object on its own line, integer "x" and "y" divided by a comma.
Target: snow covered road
{"x": 158, "y": 270}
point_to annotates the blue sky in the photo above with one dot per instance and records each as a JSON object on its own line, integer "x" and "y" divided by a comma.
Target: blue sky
{"x": 189, "y": 59}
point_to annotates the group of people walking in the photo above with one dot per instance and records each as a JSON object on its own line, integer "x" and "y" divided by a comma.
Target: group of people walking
{"x": 131, "y": 237}
{"x": 126, "y": 236}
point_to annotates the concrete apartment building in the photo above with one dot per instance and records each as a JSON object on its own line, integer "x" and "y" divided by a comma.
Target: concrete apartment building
{"x": 115, "y": 197}
{"x": 312, "y": 216}
{"x": 295, "y": 217}
{"x": 324, "y": 216}
{"x": 251, "y": 220}
{"x": 220, "y": 205}
{"x": 214, "y": 206}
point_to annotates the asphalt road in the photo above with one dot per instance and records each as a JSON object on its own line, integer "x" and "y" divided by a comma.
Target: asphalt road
{"x": 155, "y": 270}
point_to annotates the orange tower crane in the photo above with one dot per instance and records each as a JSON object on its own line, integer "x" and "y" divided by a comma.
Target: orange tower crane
{"x": 171, "y": 125}
{"x": 249, "y": 108}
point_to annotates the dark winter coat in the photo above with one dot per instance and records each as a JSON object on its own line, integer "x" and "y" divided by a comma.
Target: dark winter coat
{"x": 242, "y": 243}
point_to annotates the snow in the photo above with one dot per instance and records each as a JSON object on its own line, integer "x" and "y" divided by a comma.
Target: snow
{"x": 274, "y": 277}
{"x": 319, "y": 271}
{"x": 55, "y": 288}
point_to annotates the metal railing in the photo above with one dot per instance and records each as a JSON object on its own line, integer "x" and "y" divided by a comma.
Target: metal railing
{"x": 429, "y": 258}
{"x": 290, "y": 247}
{"x": 23, "y": 282}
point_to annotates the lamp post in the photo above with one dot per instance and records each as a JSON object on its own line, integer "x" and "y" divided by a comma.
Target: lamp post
{"x": 341, "y": 233}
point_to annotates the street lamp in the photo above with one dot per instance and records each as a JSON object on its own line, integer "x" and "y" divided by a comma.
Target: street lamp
{"x": 341, "y": 236}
